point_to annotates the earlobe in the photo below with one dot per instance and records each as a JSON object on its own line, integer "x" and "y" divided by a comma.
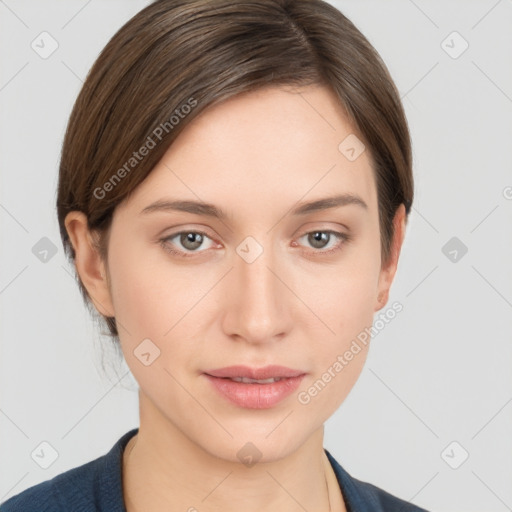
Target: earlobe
{"x": 388, "y": 271}
{"x": 89, "y": 265}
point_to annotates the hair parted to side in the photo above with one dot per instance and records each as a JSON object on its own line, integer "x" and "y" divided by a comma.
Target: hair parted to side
{"x": 175, "y": 58}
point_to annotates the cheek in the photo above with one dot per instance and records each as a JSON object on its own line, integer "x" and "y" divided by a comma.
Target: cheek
{"x": 343, "y": 299}
{"x": 149, "y": 294}
{"x": 343, "y": 295}
{"x": 136, "y": 301}
{"x": 140, "y": 311}
{"x": 348, "y": 312}
{"x": 340, "y": 356}
{"x": 151, "y": 303}
{"x": 157, "y": 300}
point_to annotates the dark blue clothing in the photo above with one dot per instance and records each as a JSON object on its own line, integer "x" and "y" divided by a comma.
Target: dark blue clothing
{"x": 97, "y": 487}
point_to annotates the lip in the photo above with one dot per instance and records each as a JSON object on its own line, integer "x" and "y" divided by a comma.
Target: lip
{"x": 255, "y": 396}
{"x": 266, "y": 372}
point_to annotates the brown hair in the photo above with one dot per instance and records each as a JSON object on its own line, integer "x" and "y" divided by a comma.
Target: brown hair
{"x": 177, "y": 57}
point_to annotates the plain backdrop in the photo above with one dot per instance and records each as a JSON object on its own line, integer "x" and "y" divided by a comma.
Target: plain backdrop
{"x": 430, "y": 418}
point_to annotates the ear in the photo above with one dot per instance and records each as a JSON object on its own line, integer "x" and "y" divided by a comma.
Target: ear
{"x": 388, "y": 269}
{"x": 92, "y": 270}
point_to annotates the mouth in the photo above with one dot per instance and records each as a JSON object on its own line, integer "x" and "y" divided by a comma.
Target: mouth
{"x": 257, "y": 375}
{"x": 247, "y": 380}
{"x": 255, "y": 388}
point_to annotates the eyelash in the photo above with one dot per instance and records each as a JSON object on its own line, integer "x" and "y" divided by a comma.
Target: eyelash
{"x": 343, "y": 237}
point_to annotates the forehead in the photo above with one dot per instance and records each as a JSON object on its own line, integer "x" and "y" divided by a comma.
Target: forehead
{"x": 276, "y": 145}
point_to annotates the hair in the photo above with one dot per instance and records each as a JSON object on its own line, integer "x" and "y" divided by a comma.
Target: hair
{"x": 175, "y": 58}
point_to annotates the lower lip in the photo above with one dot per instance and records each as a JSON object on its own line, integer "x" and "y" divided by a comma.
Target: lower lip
{"x": 255, "y": 396}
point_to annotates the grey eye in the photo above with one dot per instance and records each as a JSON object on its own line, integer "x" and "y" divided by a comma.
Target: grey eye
{"x": 319, "y": 239}
{"x": 191, "y": 240}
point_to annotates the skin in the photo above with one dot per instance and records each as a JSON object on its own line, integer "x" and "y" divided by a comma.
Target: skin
{"x": 255, "y": 156}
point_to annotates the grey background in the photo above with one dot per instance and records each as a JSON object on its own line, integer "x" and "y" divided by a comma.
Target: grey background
{"x": 439, "y": 372}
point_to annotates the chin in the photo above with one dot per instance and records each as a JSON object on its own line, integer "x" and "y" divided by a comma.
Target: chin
{"x": 250, "y": 445}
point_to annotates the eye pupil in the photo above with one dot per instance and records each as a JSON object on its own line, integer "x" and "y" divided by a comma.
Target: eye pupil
{"x": 196, "y": 239}
{"x": 319, "y": 239}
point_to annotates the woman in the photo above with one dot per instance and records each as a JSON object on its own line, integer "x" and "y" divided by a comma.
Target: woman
{"x": 234, "y": 188}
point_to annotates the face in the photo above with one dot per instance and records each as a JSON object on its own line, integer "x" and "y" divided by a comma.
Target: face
{"x": 261, "y": 284}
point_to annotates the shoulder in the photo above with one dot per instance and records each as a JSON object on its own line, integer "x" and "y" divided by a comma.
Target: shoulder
{"x": 96, "y": 485}
{"x": 39, "y": 497}
{"x": 366, "y": 497}
{"x": 56, "y": 495}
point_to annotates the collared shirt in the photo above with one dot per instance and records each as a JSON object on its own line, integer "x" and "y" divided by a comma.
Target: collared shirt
{"x": 97, "y": 487}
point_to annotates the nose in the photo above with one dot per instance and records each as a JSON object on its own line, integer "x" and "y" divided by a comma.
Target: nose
{"x": 256, "y": 304}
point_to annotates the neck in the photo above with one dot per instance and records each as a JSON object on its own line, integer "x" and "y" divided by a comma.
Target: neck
{"x": 164, "y": 470}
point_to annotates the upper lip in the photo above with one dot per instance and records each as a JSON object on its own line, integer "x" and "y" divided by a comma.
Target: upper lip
{"x": 267, "y": 372}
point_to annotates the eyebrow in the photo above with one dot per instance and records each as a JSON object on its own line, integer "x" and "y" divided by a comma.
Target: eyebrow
{"x": 210, "y": 210}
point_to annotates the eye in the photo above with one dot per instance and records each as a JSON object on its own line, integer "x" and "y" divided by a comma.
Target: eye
{"x": 189, "y": 240}
{"x": 320, "y": 239}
